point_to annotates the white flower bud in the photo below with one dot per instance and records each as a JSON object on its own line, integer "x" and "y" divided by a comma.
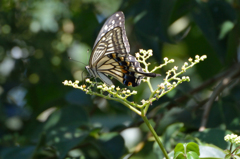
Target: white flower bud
{"x": 99, "y": 87}
{"x": 137, "y": 54}
{"x": 134, "y": 92}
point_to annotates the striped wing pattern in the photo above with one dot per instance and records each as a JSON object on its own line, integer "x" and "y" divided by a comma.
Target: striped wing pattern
{"x": 111, "y": 56}
{"x": 116, "y": 20}
{"x": 110, "y": 43}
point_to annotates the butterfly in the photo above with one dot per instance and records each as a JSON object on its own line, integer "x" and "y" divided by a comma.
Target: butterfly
{"x": 110, "y": 55}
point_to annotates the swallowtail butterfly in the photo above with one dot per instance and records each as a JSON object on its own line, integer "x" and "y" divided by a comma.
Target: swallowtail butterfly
{"x": 110, "y": 55}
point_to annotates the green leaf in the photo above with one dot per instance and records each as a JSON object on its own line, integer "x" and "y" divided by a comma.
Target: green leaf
{"x": 179, "y": 148}
{"x": 65, "y": 140}
{"x": 210, "y": 17}
{"x": 147, "y": 153}
{"x": 75, "y": 97}
{"x": 192, "y": 146}
{"x": 67, "y": 116}
{"x": 170, "y": 134}
{"x": 62, "y": 128}
{"x": 179, "y": 155}
{"x": 17, "y": 152}
{"x": 170, "y": 117}
{"x": 111, "y": 145}
{"x": 106, "y": 121}
{"x": 192, "y": 155}
{"x": 228, "y": 156}
{"x": 213, "y": 136}
{"x": 211, "y": 151}
{"x": 188, "y": 148}
{"x": 236, "y": 156}
{"x": 202, "y": 17}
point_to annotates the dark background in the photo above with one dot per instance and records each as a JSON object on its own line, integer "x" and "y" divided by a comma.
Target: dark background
{"x": 42, "y": 118}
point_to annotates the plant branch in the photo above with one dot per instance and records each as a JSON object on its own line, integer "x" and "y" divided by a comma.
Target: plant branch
{"x": 221, "y": 86}
{"x": 155, "y": 135}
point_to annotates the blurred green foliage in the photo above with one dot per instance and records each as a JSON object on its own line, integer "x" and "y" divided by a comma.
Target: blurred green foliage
{"x": 41, "y": 118}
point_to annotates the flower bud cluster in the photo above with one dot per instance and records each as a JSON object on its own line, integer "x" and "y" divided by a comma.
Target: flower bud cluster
{"x": 234, "y": 139}
{"x": 121, "y": 93}
{"x": 143, "y": 55}
{"x": 75, "y": 85}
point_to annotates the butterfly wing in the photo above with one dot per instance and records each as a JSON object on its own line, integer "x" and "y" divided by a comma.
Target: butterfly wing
{"x": 111, "y": 56}
{"x": 112, "y": 38}
{"x": 112, "y": 44}
{"x": 116, "y": 20}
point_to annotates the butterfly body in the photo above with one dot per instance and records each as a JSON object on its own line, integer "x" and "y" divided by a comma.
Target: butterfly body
{"x": 110, "y": 55}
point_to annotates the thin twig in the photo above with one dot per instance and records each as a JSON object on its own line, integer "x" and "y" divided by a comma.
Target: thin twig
{"x": 221, "y": 86}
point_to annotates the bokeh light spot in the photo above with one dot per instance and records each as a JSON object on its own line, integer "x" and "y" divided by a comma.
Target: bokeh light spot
{"x": 67, "y": 38}
{"x": 35, "y": 26}
{"x": 79, "y": 51}
{"x": 17, "y": 95}
{"x": 132, "y": 136}
{"x": 45, "y": 114}
{"x": 179, "y": 25}
{"x": 38, "y": 54}
{"x": 6, "y": 29}
{"x": 56, "y": 139}
{"x": 33, "y": 78}
{"x": 6, "y": 66}
{"x": 78, "y": 75}
{"x": 16, "y": 52}
{"x": 225, "y": 28}
{"x": 56, "y": 60}
{"x": 77, "y": 134}
{"x": 68, "y": 26}
{"x": 14, "y": 123}
{"x": 68, "y": 135}
{"x": 75, "y": 153}
{"x": 60, "y": 46}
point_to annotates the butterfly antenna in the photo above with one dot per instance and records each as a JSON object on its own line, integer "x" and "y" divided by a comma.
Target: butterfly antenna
{"x": 77, "y": 61}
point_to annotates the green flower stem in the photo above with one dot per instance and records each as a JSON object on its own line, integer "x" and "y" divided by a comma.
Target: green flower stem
{"x": 124, "y": 100}
{"x": 149, "y": 84}
{"x": 146, "y": 109}
{"x": 231, "y": 148}
{"x": 155, "y": 135}
{"x": 160, "y": 66}
{"x": 130, "y": 107}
